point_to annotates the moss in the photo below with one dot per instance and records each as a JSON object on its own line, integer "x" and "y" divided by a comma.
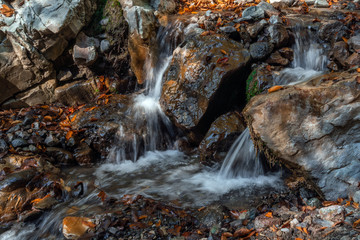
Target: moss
{"x": 252, "y": 87}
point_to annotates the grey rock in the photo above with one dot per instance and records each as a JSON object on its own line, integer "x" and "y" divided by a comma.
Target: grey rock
{"x": 64, "y": 75}
{"x": 286, "y": 2}
{"x": 268, "y": 9}
{"x": 78, "y": 92}
{"x": 19, "y": 142}
{"x": 62, "y": 156}
{"x": 314, "y": 202}
{"x": 256, "y": 28}
{"x": 353, "y": 60}
{"x": 104, "y": 45}
{"x": 3, "y": 146}
{"x": 341, "y": 52}
{"x": 321, "y": 4}
{"x": 85, "y": 50}
{"x": 275, "y": 19}
{"x": 333, "y": 213}
{"x": 278, "y": 35}
{"x": 354, "y": 43}
{"x": 253, "y": 13}
{"x": 329, "y": 30}
{"x": 32, "y": 148}
{"x": 356, "y": 197}
{"x": 323, "y": 223}
{"x": 23, "y": 134}
{"x": 260, "y": 50}
{"x": 51, "y": 140}
{"x": 104, "y": 21}
{"x": 16, "y": 180}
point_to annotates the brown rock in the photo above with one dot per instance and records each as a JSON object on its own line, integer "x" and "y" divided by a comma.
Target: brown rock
{"x": 353, "y": 60}
{"x": 341, "y": 52}
{"x": 276, "y": 59}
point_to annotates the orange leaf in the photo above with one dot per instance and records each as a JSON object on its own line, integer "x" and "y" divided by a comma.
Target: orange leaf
{"x": 356, "y": 223}
{"x": 69, "y": 135}
{"x": 5, "y": 10}
{"x": 268, "y": 67}
{"x": 48, "y": 118}
{"x": 200, "y": 209}
{"x": 299, "y": 228}
{"x": 306, "y": 231}
{"x": 227, "y": 234}
{"x": 275, "y": 88}
{"x": 345, "y": 40}
{"x": 223, "y": 51}
{"x": 89, "y": 224}
{"x": 158, "y": 223}
{"x": 35, "y": 201}
{"x": 242, "y": 232}
{"x": 329, "y": 203}
{"x": 355, "y": 205}
{"x": 269, "y": 214}
{"x": 102, "y": 195}
{"x": 73, "y": 118}
{"x": 299, "y": 239}
{"x": 358, "y": 70}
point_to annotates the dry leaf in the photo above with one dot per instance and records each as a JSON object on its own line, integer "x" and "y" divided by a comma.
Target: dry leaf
{"x": 7, "y": 11}
{"x": 48, "y": 118}
{"x": 275, "y": 88}
{"x": 223, "y": 52}
{"x": 242, "y": 232}
{"x": 345, "y": 39}
{"x": 269, "y": 214}
{"x": 102, "y": 195}
{"x": 356, "y": 223}
{"x": 69, "y": 135}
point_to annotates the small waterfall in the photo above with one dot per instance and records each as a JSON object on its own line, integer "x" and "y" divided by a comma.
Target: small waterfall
{"x": 146, "y": 109}
{"x": 242, "y": 159}
{"x": 309, "y": 61}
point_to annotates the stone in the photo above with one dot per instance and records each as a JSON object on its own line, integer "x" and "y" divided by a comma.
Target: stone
{"x": 319, "y": 137}
{"x": 104, "y": 46}
{"x": 75, "y": 227}
{"x": 231, "y": 32}
{"x": 329, "y": 30}
{"x": 46, "y": 203}
{"x": 333, "y": 213}
{"x": 166, "y": 6}
{"x": 51, "y": 140}
{"x": 353, "y": 60}
{"x": 340, "y": 52}
{"x": 19, "y": 142}
{"x": 64, "y": 75}
{"x": 314, "y": 202}
{"x": 260, "y": 50}
{"x": 84, "y": 155}
{"x": 85, "y": 50}
{"x": 253, "y": 13}
{"x": 354, "y": 43}
{"x": 321, "y": 4}
{"x": 3, "y": 146}
{"x": 221, "y": 135}
{"x": 356, "y": 196}
{"x": 79, "y": 92}
{"x": 276, "y": 59}
{"x": 278, "y": 35}
{"x": 190, "y": 98}
{"x": 256, "y": 28}
{"x": 286, "y": 2}
{"x": 259, "y": 80}
{"x": 104, "y": 21}
{"x": 268, "y": 9}
{"x": 35, "y": 36}
{"x": 333, "y": 66}
{"x": 275, "y": 19}
{"x": 17, "y": 180}
{"x": 287, "y": 53}
{"x": 61, "y": 156}
{"x": 263, "y": 221}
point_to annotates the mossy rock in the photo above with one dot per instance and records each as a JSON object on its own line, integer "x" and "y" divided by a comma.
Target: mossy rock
{"x": 259, "y": 80}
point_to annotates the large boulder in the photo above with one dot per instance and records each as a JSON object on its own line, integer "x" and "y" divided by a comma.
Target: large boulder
{"x": 33, "y": 37}
{"x": 202, "y": 82}
{"x": 313, "y": 128}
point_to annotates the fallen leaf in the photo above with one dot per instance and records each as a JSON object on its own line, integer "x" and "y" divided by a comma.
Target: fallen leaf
{"x": 35, "y": 201}
{"x": 227, "y": 234}
{"x": 358, "y": 79}
{"x": 102, "y": 195}
{"x": 242, "y": 232}
{"x": 356, "y": 223}
{"x": 222, "y": 60}
{"x": 345, "y": 39}
{"x": 200, "y": 209}
{"x": 355, "y": 205}
{"x": 143, "y": 217}
{"x": 269, "y": 215}
{"x": 7, "y": 11}
{"x": 358, "y": 70}
{"x": 223, "y": 52}
{"x": 73, "y": 118}
{"x": 329, "y": 203}
{"x": 275, "y": 88}
{"x": 69, "y": 135}
{"x": 48, "y": 118}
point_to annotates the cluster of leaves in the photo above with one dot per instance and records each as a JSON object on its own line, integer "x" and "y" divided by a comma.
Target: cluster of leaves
{"x": 7, "y": 11}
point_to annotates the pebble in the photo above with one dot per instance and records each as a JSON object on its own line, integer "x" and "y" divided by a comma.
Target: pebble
{"x": 51, "y": 140}
{"x": 3, "y": 146}
{"x": 104, "y": 45}
{"x": 19, "y": 142}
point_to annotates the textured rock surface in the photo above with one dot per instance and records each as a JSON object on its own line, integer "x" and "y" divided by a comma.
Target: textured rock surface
{"x": 200, "y": 80}
{"x": 315, "y": 126}
{"x": 34, "y": 36}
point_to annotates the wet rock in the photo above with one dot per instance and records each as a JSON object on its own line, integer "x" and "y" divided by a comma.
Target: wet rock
{"x": 211, "y": 216}
{"x": 334, "y": 213}
{"x": 28, "y": 216}
{"x": 196, "y": 79}
{"x": 287, "y": 53}
{"x": 321, "y": 4}
{"x": 286, "y": 2}
{"x": 256, "y": 28}
{"x": 320, "y": 136}
{"x": 263, "y": 221}
{"x": 356, "y": 196}
{"x": 3, "y": 146}
{"x": 165, "y": 6}
{"x": 51, "y": 140}
{"x": 276, "y": 59}
{"x": 268, "y": 9}
{"x": 341, "y": 52}
{"x": 85, "y": 50}
{"x": 278, "y": 35}
{"x": 275, "y": 19}
{"x": 333, "y": 66}
{"x": 45, "y": 204}
{"x": 64, "y": 75}
{"x": 330, "y": 30}
{"x": 104, "y": 46}
{"x": 253, "y": 13}
{"x": 259, "y": 80}
{"x": 62, "y": 156}
{"x": 354, "y": 43}
{"x": 75, "y": 93}
{"x": 314, "y": 202}
{"x": 222, "y": 133}
{"x": 353, "y": 60}
{"x": 231, "y": 32}
{"x": 260, "y": 50}
{"x": 75, "y": 227}
{"x": 17, "y": 180}
{"x": 19, "y": 142}
{"x": 84, "y": 155}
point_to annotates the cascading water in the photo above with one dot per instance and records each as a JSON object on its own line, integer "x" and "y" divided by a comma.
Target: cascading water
{"x": 309, "y": 61}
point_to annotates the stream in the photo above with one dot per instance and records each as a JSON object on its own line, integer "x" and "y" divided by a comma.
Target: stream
{"x": 157, "y": 169}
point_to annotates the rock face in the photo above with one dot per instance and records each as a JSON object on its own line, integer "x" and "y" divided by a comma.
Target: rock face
{"x": 35, "y": 36}
{"x": 315, "y": 126}
{"x": 201, "y": 80}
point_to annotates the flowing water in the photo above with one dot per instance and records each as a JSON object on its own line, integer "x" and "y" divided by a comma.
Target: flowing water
{"x": 156, "y": 169}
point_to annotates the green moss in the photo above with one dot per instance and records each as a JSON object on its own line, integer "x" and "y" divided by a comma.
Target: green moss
{"x": 252, "y": 87}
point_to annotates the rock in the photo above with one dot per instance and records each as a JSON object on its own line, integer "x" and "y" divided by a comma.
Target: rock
{"x": 330, "y": 30}
{"x": 104, "y": 46}
{"x": 3, "y": 146}
{"x": 321, "y": 4}
{"x": 263, "y": 221}
{"x": 354, "y": 43}
{"x": 61, "y": 156}
{"x": 75, "y": 93}
{"x": 46, "y": 203}
{"x": 211, "y": 216}
{"x": 356, "y": 196}
{"x": 104, "y": 21}
{"x": 17, "y": 180}
{"x": 36, "y": 35}
{"x": 222, "y": 133}
{"x": 268, "y": 9}
{"x": 286, "y": 2}
{"x": 165, "y": 6}
{"x": 84, "y": 155}
{"x": 341, "y": 52}
{"x": 75, "y": 227}
{"x": 193, "y": 98}
{"x": 260, "y": 50}
{"x": 259, "y": 80}
{"x": 85, "y": 50}
{"x": 278, "y": 35}
{"x": 334, "y": 213}
{"x": 314, "y": 202}
{"x": 276, "y": 59}
{"x": 253, "y": 13}
{"x": 19, "y": 142}
{"x": 275, "y": 19}
{"x": 287, "y": 53}
{"x": 319, "y": 137}
{"x": 231, "y": 32}
{"x": 333, "y": 66}
{"x": 256, "y": 28}
{"x": 353, "y": 60}
{"x": 51, "y": 140}
{"x": 64, "y": 75}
